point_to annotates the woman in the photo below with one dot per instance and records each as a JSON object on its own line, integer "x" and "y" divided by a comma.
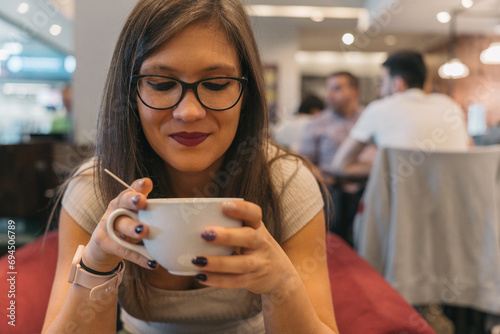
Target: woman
{"x": 184, "y": 115}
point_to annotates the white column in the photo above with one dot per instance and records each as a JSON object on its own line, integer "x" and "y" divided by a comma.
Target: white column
{"x": 97, "y": 26}
{"x": 278, "y": 44}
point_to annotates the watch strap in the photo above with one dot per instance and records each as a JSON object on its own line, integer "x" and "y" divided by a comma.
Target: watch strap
{"x": 100, "y": 273}
{"x": 99, "y": 285}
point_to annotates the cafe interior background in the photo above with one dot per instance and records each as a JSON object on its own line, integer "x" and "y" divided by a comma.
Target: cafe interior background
{"x": 52, "y": 48}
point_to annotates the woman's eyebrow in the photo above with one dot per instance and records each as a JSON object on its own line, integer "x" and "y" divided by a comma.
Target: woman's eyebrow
{"x": 217, "y": 67}
{"x": 155, "y": 67}
{"x": 212, "y": 68}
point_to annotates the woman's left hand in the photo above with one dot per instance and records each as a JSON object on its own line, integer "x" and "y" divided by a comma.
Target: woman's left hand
{"x": 260, "y": 266}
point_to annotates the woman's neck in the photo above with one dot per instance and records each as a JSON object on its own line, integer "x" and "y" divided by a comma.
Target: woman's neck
{"x": 194, "y": 184}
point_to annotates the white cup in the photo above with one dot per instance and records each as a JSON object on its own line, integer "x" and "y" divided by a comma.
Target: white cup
{"x": 175, "y": 227}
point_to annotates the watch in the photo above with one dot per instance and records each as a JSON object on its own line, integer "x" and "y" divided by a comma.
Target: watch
{"x": 100, "y": 285}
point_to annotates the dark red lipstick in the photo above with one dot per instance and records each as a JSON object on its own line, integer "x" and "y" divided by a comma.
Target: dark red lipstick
{"x": 189, "y": 138}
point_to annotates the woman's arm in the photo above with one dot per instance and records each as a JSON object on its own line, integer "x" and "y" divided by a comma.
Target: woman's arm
{"x": 347, "y": 159}
{"x": 70, "y": 308}
{"x": 293, "y": 279}
{"x": 306, "y": 305}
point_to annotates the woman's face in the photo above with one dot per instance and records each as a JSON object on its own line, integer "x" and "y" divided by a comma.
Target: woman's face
{"x": 189, "y": 137}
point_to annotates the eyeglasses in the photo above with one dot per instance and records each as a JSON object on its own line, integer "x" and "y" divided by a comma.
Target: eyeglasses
{"x": 161, "y": 92}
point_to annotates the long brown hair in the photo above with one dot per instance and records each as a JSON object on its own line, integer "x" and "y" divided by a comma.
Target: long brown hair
{"x": 121, "y": 144}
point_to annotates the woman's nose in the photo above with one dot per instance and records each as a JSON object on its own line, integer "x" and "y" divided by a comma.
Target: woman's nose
{"x": 189, "y": 108}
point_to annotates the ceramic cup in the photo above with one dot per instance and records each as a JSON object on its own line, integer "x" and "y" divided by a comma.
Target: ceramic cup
{"x": 175, "y": 227}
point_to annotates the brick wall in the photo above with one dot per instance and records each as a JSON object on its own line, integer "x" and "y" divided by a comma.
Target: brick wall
{"x": 483, "y": 83}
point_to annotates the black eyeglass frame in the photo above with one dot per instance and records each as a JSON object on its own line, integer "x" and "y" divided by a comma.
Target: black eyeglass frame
{"x": 185, "y": 86}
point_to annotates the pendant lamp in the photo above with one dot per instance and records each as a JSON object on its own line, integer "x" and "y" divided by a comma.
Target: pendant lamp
{"x": 454, "y": 68}
{"x": 491, "y": 55}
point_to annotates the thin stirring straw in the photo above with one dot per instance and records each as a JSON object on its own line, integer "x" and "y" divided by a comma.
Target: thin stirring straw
{"x": 118, "y": 179}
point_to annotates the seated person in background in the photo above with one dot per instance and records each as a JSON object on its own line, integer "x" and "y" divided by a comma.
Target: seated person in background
{"x": 321, "y": 139}
{"x": 290, "y": 132}
{"x": 184, "y": 105}
{"x": 405, "y": 117}
{"x": 324, "y": 134}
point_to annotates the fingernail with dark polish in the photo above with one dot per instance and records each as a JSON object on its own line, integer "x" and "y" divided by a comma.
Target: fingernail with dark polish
{"x": 139, "y": 229}
{"x": 201, "y": 277}
{"x": 152, "y": 264}
{"x": 135, "y": 199}
{"x": 208, "y": 235}
{"x": 199, "y": 261}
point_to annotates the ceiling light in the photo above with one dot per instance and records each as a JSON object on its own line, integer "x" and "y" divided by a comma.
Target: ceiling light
{"x": 4, "y": 54}
{"x": 491, "y": 55}
{"x": 14, "y": 64}
{"x": 14, "y": 48}
{"x": 70, "y": 64}
{"x": 364, "y": 21}
{"x": 23, "y": 8}
{"x": 318, "y": 16}
{"x": 55, "y": 29}
{"x": 453, "y": 69}
{"x": 348, "y": 39}
{"x": 443, "y": 17}
{"x": 467, "y": 3}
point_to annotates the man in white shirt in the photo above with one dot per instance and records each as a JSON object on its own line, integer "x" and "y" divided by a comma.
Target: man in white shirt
{"x": 405, "y": 117}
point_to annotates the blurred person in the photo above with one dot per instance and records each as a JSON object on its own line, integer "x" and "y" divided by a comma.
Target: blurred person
{"x": 321, "y": 139}
{"x": 324, "y": 134}
{"x": 404, "y": 117}
{"x": 289, "y": 134}
{"x": 67, "y": 98}
{"x": 62, "y": 122}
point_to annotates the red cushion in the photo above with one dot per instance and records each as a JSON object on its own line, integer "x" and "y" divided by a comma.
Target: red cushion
{"x": 35, "y": 266}
{"x": 364, "y": 302}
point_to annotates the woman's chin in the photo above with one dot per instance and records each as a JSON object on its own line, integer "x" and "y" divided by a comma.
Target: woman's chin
{"x": 194, "y": 166}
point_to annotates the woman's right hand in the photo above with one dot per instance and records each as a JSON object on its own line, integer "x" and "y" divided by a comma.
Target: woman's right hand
{"x": 102, "y": 253}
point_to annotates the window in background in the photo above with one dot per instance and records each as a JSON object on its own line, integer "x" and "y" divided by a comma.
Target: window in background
{"x": 33, "y": 78}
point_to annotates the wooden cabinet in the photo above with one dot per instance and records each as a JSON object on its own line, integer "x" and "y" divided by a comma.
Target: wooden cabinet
{"x": 26, "y": 174}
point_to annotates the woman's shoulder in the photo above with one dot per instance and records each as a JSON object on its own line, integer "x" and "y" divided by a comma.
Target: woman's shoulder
{"x": 297, "y": 189}
{"x": 82, "y": 199}
{"x": 86, "y": 168}
{"x": 82, "y": 175}
{"x": 279, "y": 158}
{"x": 287, "y": 168}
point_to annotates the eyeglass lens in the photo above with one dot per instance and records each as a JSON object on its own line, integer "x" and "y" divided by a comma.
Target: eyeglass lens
{"x": 164, "y": 93}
